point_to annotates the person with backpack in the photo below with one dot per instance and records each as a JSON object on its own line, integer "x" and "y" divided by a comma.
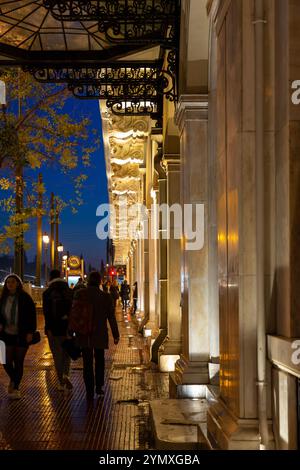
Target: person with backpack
{"x": 91, "y": 310}
{"x": 57, "y": 303}
{"x": 17, "y": 327}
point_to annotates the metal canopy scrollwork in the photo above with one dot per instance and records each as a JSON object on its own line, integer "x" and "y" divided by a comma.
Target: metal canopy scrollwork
{"x": 136, "y": 21}
{"x": 129, "y": 88}
{"x": 80, "y": 43}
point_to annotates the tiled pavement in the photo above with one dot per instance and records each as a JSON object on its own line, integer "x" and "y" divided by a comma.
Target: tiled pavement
{"x": 48, "y": 419}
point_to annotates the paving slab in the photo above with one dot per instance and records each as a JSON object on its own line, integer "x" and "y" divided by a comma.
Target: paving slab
{"x": 179, "y": 424}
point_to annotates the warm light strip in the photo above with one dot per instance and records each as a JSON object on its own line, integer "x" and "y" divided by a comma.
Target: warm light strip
{"x": 119, "y": 161}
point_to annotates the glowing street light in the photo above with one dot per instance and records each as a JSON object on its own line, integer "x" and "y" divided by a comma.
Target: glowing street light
{"x": 60, "y": 248}
{"x": 46, "y": 241}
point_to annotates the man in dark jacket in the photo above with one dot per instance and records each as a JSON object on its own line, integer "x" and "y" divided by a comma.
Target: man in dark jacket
{"x": 125, "y": 294}
{"x": 94, "y": 342}
{"x": 57, "y": 302}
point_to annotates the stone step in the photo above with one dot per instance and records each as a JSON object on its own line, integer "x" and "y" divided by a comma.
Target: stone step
{"x": 179, "y": 424}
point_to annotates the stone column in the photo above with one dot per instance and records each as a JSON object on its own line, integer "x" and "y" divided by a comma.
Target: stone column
{"x": 146, "y": 271}
{"x": 162, "y": 261}
{"x": 128, "y": 269}
{"x": 134, "y": 261}
{"x": 192, "y": 368}
{"x": 213, "y": 295}
{"x": 152, "y": 320}
{"x": 171, "y": 347}
{"x": 140, "y": 274}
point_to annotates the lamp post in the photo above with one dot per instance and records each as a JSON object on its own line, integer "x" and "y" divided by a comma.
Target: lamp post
{"x": 64, "y": 265}
{"x": 60, "y": 249}
{"x": 46, "y": 241}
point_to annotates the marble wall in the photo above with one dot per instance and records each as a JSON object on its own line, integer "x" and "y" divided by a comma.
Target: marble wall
{"x": 229, "y": 154}
{"x": 236, "y": 207}
{"x": 287, "y": 169}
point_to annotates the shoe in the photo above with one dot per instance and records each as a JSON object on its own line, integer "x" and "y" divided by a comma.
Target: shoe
{"x": 15, "y": 395}
{"x": 67, "y": 383}
{"x": 100, "y": 391}
{"x": 11, "y": 387}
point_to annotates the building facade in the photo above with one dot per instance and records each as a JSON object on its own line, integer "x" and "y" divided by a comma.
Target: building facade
{"x": 224, "y": 318}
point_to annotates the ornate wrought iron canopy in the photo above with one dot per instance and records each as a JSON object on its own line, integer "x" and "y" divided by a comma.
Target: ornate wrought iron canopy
{"x": 136, "y": 21}
{"x": 81, "y": 43}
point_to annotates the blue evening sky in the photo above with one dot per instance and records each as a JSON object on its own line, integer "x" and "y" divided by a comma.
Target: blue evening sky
{"x": 78, "y": 231}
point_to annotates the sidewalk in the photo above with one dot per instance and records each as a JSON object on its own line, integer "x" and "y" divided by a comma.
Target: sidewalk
{"x": 48, "y": 419}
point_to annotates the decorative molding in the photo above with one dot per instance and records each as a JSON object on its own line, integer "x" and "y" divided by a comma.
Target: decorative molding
{"x": 125, "y": 150}
{"x": 191, "y": 107}
{"x": 171, "y": 161}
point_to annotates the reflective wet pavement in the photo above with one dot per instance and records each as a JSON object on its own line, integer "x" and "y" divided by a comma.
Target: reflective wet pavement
{"x": 45, "y": 418}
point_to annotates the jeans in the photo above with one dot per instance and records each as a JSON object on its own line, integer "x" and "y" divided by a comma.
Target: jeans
{"x": 15, "y": 355}
{"x": 61, "y": 359}
{"x": 89, "y": 375}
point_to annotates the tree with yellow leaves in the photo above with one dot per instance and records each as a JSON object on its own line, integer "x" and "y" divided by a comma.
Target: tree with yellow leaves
{"x": 35, "y": 133}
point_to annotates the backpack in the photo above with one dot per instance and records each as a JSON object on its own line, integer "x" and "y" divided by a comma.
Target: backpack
{"x": 81, "y": 316}
{"x": 61, "y": 301}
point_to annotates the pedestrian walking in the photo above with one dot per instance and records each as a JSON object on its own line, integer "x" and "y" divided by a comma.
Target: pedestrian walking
{"x": 57, "y": 302}
{"x": 125, "y": 294}
{"x": 17, "y": 326}
{"x": 91, "y": 310}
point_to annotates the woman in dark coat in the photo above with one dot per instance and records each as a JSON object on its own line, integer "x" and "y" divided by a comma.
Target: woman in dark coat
{"x": 100, "y": 310}
{"x": 17, "y": 325}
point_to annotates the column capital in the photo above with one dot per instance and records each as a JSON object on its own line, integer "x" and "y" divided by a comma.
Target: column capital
{"x": 171, "y": 162}
{"x": 191, "y": 107}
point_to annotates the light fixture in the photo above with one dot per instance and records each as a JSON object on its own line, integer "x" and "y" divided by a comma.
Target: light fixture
{"x": 65, "y": 257}
{"x": 60, "y": 248}
{"x": 46, "y": 238}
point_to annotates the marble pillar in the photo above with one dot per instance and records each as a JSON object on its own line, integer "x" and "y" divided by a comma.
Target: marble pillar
{"x": 232, "y": 419}
{"x": 171, "y": 348}
{"x": 146, "y": 270}
{"x": 214, "y": 322}
{"x": 162, "y": 261}
{"x": 192, "y": 368}
{"x": 152, "y": 260}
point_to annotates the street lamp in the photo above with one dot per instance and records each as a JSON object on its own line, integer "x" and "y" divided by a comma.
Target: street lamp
{"x": 64, "y": 264}
{"x": 60, "y": 249}
{"x": 46, "y": 241}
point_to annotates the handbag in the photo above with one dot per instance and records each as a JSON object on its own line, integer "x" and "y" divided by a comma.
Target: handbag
{"x": 71, "y": 349}
{"x": 36, "y": 338}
